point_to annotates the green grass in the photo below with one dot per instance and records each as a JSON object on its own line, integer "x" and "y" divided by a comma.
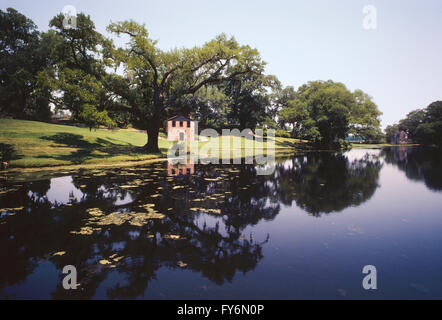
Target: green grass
{"x": 243, "y": 143}
{"x": 39, "y": 144}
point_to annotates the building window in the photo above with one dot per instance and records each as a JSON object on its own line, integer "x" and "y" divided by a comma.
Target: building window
{"x": 181, "y": 124}
{"x": 188, "y": 124}
{"x": 173, "y": 124}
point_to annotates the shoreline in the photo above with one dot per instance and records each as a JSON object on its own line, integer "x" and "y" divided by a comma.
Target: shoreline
{"x": 134, "y": 163}
{"x": 131, "y": 163}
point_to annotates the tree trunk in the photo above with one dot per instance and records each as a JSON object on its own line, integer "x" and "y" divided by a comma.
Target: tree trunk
{"x": 153, "y": 131}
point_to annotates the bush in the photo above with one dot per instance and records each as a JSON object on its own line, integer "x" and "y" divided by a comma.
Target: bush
{"x": 282, "y": 134}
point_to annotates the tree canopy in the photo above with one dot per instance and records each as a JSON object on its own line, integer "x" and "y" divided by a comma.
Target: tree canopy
{"x": 155, "y": 80}
{"x": 22, "y": 56}
{"x": 424, "y": 126}
{"x": 77, "y": 76}
{"x": 325, "y": 112}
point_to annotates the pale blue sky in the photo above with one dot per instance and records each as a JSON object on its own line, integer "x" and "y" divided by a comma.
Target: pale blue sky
{"x": 399, "y": 64}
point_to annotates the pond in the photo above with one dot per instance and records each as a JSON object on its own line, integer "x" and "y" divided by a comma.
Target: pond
{"x": 223, "y": 232}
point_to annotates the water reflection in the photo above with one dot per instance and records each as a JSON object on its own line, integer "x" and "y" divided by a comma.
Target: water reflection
{"x": 177, "y": 169}
{"x": 419, "y": 164}
{"x": 130, "y": 223}
{"x": 325, "y": 182}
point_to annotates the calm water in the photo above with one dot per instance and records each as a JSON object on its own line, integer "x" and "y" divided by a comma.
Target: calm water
{"x": 222, "y": 232}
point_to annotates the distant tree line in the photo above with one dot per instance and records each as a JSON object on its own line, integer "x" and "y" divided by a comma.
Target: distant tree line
{"x": 423, "y": 126}
{"x": 222, "y": 84}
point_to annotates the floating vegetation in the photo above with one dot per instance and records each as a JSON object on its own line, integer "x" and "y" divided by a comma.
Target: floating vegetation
{"x": 213, "y": 179}
{"x": 215, "y": 211}
{"x": 94, "y": 212}
{"x": 11, "y": 209}
{"x": 147, "y": 206}
{"x": 173, "y": 237}
{"x": 110, "y": 262}
{"x": 137, "y": 219}
{"x": 118, "y": 259}
{"x": 85, "y": 231}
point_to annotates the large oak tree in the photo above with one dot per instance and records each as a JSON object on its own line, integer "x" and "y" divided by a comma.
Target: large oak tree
{"x": 155, "y": 79}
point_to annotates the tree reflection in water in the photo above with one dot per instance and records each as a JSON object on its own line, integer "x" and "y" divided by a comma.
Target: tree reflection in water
{"x": 326, "y": 182}
{"x": 138, "y": 220}
{"x": 419, "y": 164}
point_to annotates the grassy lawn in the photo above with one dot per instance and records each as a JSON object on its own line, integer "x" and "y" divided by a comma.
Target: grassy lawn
{"x": 39, "y": 144}
{"x": 243, "y": 143}
{"x": 240, "y": 147}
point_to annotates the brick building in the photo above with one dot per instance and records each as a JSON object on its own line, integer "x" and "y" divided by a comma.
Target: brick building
{"x": 400, "y": 137}
{"x": 180, "y": 128}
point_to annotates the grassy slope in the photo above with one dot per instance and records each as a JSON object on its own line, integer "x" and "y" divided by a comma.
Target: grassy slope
{"x": 39, "y": 144}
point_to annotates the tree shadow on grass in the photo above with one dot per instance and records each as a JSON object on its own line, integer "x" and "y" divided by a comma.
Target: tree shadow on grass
{"x": 86, "y": 150}
{"x": 8, "y": 153}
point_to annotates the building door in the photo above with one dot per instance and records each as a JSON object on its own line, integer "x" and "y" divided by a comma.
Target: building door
{"x": 181, "y": 136}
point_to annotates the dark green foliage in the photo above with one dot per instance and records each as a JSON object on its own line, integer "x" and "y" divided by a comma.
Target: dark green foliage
{"x": 423, "y": 125}
{"x": 21, "y": 57}
{"x": 282, "y": 133}
{"x": 325, "y": 112}
{"x": 77, "y": 70}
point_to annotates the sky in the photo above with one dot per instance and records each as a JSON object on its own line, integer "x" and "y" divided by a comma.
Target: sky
{"x": 399, "y": 63}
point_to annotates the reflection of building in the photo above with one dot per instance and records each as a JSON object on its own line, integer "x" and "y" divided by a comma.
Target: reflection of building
{"x": 400, "y": 137}
{"x": 180, "y": 128}
{"x": 400, "y": 154}
{"x": 180, "y": 169}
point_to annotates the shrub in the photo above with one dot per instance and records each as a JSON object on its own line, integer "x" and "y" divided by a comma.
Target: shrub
{"x": 282, "y": 134}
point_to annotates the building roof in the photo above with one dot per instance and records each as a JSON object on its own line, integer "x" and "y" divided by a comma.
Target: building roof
{"x": 179, "y": 118}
